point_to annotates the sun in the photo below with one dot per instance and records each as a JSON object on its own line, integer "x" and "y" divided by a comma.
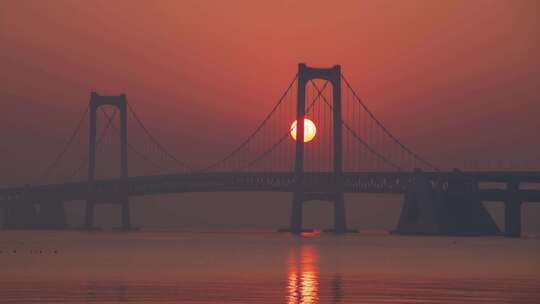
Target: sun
{"x": 309, "y": 130}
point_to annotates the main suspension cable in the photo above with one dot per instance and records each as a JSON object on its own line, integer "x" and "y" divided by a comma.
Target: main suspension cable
{"x": 385, "y": 130}
{"x": 379, "y": 155}
{"x": 250, "y": 137}
{"x": 284, "y": 136}
{"x": 158, "y": 144}
{"x": 66, "y": 146}
{"x": 98, "y": 142}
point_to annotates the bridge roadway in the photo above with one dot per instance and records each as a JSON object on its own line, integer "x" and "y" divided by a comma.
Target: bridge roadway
{"x": 314, "y": 182}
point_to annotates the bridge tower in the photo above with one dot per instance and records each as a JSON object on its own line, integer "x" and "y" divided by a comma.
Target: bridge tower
{"x": 121, "y": 191}
{"x": 512, "y": 211}
{"x": 333, "y": 75}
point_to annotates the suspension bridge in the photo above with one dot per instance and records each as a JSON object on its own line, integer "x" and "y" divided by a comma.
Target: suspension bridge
{"x": 352, "y": 152}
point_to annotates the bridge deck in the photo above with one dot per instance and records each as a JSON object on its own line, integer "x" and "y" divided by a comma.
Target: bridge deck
{"x": 353, "y": 182}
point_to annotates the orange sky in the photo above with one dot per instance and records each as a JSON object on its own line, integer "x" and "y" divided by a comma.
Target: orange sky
{"x": 455, "y": 80}
{"x": 444, "y": 75}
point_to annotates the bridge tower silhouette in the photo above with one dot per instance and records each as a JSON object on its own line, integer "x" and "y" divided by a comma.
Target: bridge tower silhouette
{"x": 120, "y": 195}
{"x": 332, "y": 75}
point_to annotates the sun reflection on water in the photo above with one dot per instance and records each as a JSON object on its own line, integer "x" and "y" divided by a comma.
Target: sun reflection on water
{"x": 303, "y": 276}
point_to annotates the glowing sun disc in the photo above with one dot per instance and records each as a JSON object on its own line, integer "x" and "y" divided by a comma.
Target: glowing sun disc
{"x": 309, "y": 130}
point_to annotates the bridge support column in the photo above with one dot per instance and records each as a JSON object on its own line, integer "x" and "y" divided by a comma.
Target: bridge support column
{"x": 421, "y": 211}
{"x": 298, "y": 196}
{"x": 89, "y": 214}
{"x": 340, "y": 219}
{"x": 454, "y": 211}
{"x": 52, "y": 215}
{"x": 295, "y": 225}
{"x": 20, "y": 215}
{"x": 512, "y": 219}
{"x": 512, "y": 213}
{"x": 4, "y": 217}
{"x": 126, "y": 218}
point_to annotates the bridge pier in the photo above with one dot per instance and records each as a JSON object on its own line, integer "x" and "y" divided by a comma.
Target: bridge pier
{"x": 121, "y": 200}
{"x": 340, "y": 219}
{"x": 512, "y": 213}
{"x": 512, "y": 219}
{"x": 89, "y": 214}
{"x": 126, "y": 216}
{"x": 20, "y": 215}
{"x": 295, "y": 225}
{"x": 52, "y": 215}
{"x": 340, "y": 216}
{"x": 420, "y": 213}
{"x": 456, "y": 210}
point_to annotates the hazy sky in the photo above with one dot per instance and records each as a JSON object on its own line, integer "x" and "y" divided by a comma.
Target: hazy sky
{"x": 457, "y": 80}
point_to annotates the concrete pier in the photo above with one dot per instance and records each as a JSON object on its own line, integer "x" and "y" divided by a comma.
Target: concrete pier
{"x": 52, "y": 215}
{"x": 512, "y": 212}
{"x": 429, "y": 210}
{"x": 20, "y": 215}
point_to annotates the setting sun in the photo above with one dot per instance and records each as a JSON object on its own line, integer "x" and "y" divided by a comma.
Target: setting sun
{"x": 309, "y": 130}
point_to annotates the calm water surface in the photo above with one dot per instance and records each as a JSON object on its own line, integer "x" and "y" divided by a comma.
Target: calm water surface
{"x": 264, "y": 267}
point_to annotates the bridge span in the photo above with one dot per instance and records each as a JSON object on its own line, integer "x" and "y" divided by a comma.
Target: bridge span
{"x": 324, "y": 182}
{"x": 316, "y": 186}
{"x": 351, "y": 152}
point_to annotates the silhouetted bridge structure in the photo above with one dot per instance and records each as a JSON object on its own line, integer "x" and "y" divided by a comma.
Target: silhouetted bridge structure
{"x": 372, "y": 160}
